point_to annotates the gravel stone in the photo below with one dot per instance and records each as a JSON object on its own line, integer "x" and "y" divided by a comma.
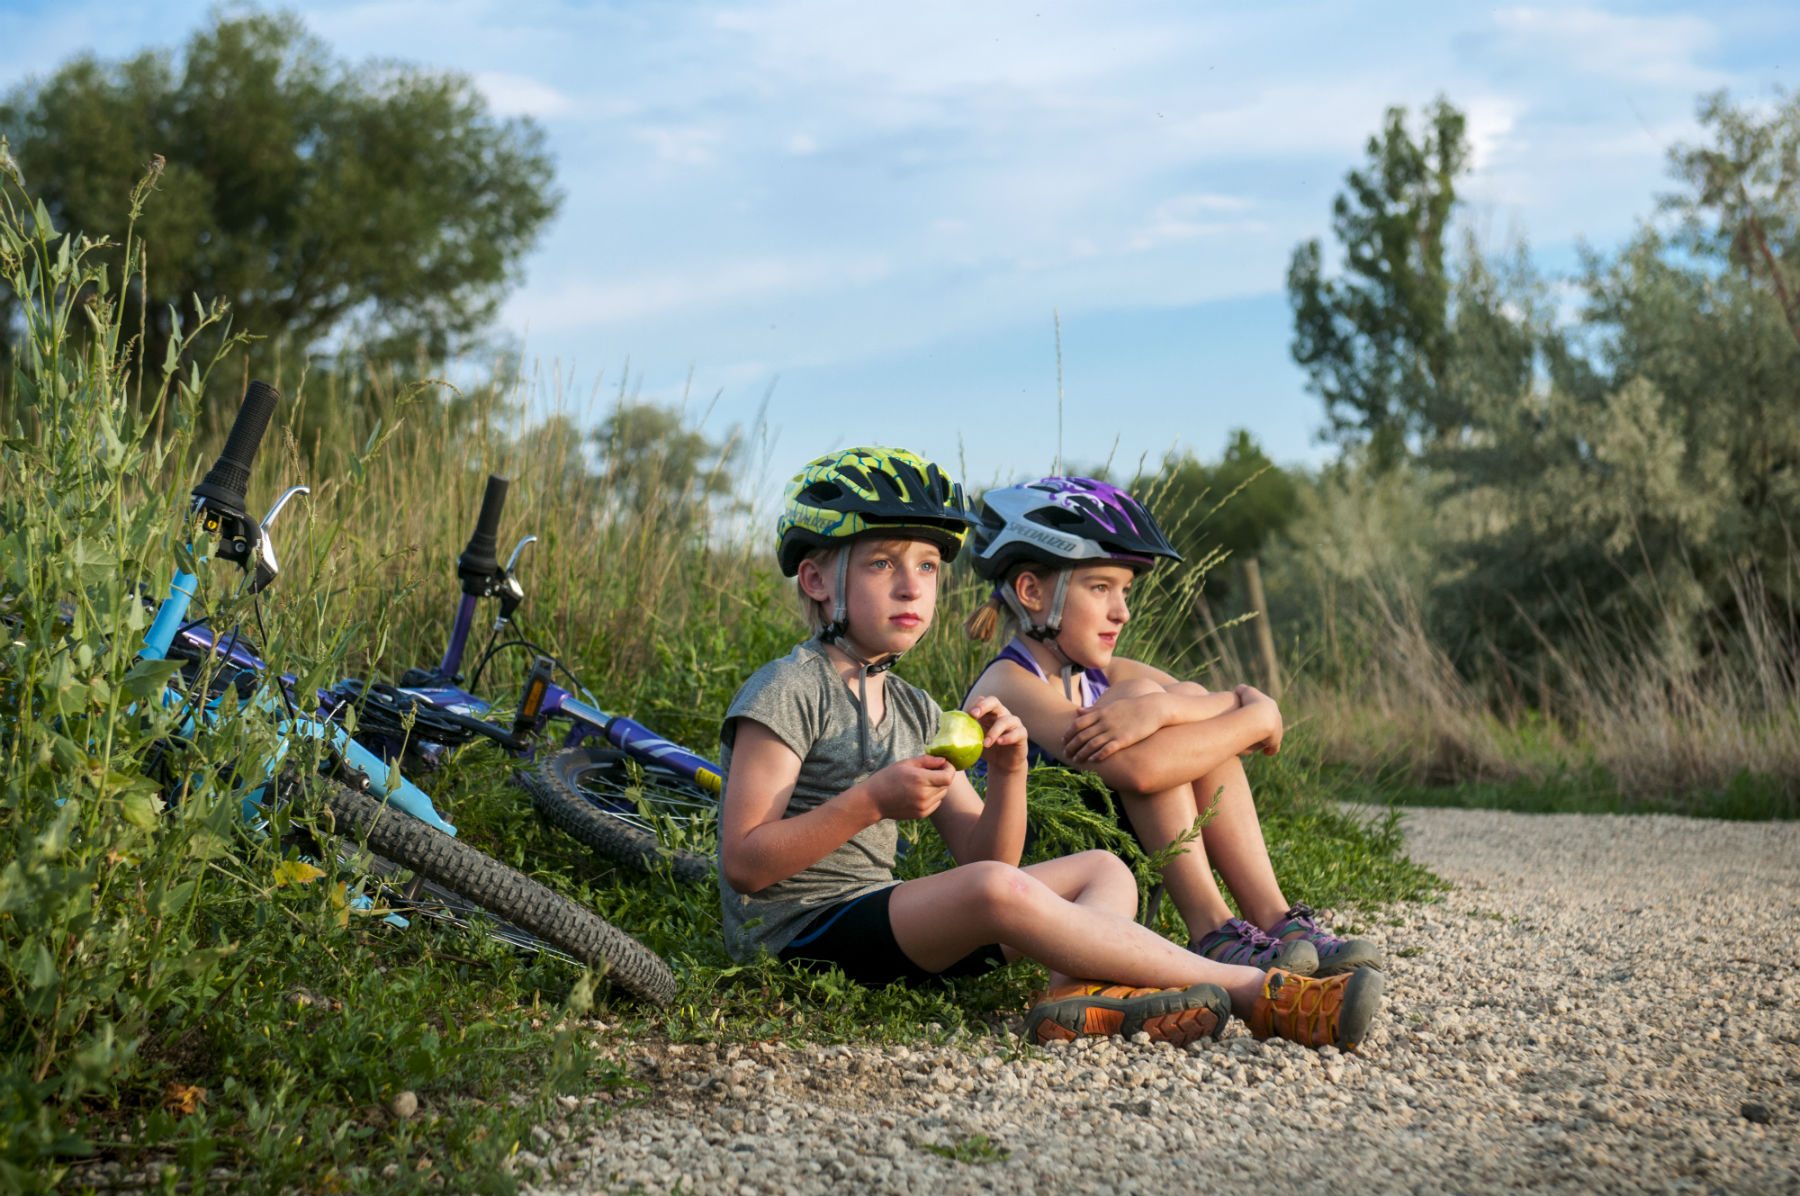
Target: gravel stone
{"x": 1600, "y": 1004}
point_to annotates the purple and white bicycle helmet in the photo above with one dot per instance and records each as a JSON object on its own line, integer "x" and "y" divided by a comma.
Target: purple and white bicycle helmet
{"x": 1063, "y": 523}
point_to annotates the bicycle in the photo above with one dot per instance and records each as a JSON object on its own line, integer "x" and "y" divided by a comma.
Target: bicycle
{"x": 375, "y": 803}
{"x": 622, "y": 800}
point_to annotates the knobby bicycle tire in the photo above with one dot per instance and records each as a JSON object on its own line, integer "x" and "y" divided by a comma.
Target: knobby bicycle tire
{"x": 503, "y": 892}
{"x": 591, "y": 793}
{"x": 426, "y": 899}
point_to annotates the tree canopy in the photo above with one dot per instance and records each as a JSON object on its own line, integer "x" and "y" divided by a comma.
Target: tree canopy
{"x": 1237, "y": 505}
{"x": 655, "y": 464}
{"x": 377, "y": 205}
{"x": 1619, "y": 470}
{"x": 1375, "y": 342}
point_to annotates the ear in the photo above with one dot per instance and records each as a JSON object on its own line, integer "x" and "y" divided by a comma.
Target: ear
{"x": 1030, "y": 589}
{"x": 813, "y": 582}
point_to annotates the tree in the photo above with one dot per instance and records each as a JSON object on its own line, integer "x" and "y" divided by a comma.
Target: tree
{"x": 1376, "y": 341}
{"x": 1644, "y": 482}
{"x": 1255, "y": 499}
{"x": 1744, "y": 199}
{"x": 653, "y": 465}
{"x": 379, "y": 205}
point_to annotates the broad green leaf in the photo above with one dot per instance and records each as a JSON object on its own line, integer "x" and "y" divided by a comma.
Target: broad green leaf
{"x": 141, "y": 810}
{"x": 296, "y": 872}
{"x": 176, "y": 899}
{"x": 147, "y": 678}
{"x": 43, "y": 967}
{"x": 207, "y": 844}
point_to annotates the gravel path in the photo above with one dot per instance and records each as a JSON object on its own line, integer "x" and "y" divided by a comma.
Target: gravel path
{"x": 1601, "y": 1004}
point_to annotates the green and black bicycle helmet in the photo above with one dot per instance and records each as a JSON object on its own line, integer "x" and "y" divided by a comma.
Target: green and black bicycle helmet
{"x": 859, "y": 492}
{"x": 869, "y": 491}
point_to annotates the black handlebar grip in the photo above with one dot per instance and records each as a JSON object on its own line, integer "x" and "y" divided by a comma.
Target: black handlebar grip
{"x": 230, "y": 474}
{"x": 477, "y": 560}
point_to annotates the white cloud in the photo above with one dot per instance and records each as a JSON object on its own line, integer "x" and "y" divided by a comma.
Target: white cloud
{"x": 681, "y": 145}
{"x": 1188, "y": 217}
{"x": 517, "y": 95}
{"x": 801, "y": 145}
{"x": 1650, "y": 49}
{"x": 1307, "y": 116}
{"x": 582, "y": 304}
{"x": 1490, "y": 121}
{"x": 935, "y": 48}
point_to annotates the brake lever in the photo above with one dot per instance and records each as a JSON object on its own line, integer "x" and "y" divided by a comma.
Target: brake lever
{"x": 518, "y": 548}
{"x": 508, "y": 590}
{"x": 266, "y": 569}
{"x": 290, "y": 492}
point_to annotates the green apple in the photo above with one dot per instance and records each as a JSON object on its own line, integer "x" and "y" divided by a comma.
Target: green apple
{"x": 958, "y": 739}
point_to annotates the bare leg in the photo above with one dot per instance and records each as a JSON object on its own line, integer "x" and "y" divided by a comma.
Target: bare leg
{"x": 939, "y": 919}
{"x": 1161, "y": 818}
{"x": 1234, "y": 842}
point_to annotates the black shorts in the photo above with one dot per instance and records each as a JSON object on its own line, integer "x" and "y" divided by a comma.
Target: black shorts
{"x": 858, "y": 937}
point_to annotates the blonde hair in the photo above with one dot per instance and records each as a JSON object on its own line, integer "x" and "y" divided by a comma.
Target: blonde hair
{"x": 815, "y": 613}
{"x": 994, "y": 613}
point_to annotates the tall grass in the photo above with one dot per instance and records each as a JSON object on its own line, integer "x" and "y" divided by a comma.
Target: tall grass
{"x": 1670, "y": 725}
{"x": 174, "y": 1009}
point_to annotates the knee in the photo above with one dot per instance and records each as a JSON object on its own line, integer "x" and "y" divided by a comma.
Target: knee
{"x": 1103, "y": 867}
{"x": 1110, "y": 880}
{"x": 1137, "y": 687}
{"x": 995, "y": 888}
{"x": 1192, "y": 689}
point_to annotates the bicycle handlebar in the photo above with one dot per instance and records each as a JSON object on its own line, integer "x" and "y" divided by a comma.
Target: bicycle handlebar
{"x": 477, "y": 563}
{"x": 226, "y": 480}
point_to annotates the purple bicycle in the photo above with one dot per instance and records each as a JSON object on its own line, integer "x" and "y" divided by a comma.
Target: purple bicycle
{"x": 631, "y": 795}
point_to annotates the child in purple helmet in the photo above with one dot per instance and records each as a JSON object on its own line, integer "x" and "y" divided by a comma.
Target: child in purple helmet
{"x": 1062, "y": 554}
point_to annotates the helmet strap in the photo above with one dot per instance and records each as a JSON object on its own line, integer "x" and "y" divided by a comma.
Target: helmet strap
{"x": 1051, "y": 627}
{"x": 840, "y": 609}
{"x": 1066, "y": 670}
{"x": 1047, "y": 632}
{"x": 865, "y": 667}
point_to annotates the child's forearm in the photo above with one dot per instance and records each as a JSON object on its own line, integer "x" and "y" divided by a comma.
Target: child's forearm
{"x": 1180, "y": 753}
{"x": 999, "y": 834}
{"x": 1189, "y": 704}
{"x": 777, "y": 850}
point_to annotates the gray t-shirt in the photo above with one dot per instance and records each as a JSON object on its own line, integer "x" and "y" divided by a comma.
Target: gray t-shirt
{"x": 806, "y": 704}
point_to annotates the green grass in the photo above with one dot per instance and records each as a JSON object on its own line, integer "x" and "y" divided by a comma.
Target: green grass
{"x": 1746, "y": 797}
{"x": 977, "y": 1149}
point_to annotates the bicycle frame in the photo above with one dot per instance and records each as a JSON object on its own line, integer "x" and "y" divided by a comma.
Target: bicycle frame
{"x": 543, "y": 699}
{"x": 250, "y": 546}
{"x": 383, "y": 779}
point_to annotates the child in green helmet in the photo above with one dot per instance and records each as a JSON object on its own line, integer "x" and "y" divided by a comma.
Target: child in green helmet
{"x": 823, "y": 752}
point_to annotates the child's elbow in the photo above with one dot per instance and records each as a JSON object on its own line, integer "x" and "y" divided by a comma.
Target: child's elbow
{"x": 1127, "y": 772}
{"x": 742, "y": 882}
{"x": 741, "y": 874}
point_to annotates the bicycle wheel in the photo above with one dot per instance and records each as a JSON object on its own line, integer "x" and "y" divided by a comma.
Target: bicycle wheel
{"x": 415, "y": 898}
{"x": 503, "y": 892}
{"x": 614, "y": 803}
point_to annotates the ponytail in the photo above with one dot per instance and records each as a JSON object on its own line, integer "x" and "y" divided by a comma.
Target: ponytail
{"x": 980, "y": 625}
{"x": 990, "y": 614}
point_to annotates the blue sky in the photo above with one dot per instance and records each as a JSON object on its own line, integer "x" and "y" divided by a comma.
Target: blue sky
{"x": 869, "y": 213}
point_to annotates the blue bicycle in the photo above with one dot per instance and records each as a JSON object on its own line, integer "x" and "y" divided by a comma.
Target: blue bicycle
{"x": 364, "y": 798}
{"x": 643, "y": 801}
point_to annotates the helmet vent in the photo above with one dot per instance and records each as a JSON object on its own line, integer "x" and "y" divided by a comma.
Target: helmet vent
{"x": 824, "y": 491}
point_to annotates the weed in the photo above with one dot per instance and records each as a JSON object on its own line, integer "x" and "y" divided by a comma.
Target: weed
{"x": 976, "y": 1149}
